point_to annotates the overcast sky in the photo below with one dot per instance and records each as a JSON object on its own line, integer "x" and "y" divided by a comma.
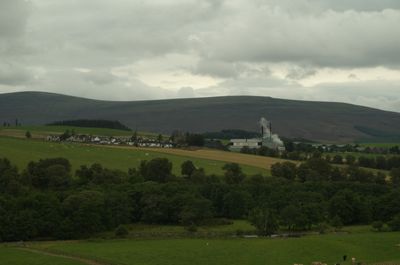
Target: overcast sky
{"x": 329, "y": 50}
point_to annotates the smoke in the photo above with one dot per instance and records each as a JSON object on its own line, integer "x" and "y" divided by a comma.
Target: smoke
{"x": 267, "y": 133}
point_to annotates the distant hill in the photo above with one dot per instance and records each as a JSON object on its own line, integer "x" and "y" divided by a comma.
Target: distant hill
{"x": 92, "y": 124}
{"x": 321, "y": 121}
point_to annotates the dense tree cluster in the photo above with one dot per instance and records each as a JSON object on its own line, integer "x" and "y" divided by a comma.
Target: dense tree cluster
{"x": 47, "y": 200}
{"x": 181, "y": 139}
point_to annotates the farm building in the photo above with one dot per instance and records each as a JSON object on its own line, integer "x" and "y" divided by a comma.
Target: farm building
{"x": 268, "y": 139}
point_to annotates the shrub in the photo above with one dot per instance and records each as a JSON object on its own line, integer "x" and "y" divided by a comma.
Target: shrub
{"x": 337, "y": 223}
{"x": 191, "y": 228}
{"x": 377, "y": 225}
{"x": 121, "y": 231}
{"x": 323, "y": 227}
{"x": 394, "y": 224}
{"x": 240, "y": 232}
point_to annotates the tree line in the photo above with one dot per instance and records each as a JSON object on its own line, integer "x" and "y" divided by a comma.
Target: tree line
{"x": 384, "y": 162}
{"x": 46, "y": 200}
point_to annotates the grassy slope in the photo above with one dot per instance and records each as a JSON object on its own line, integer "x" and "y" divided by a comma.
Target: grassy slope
{"x": 21, "y": 151}
{"x": 11, "y": 256}
{"x": 367, "y": 247}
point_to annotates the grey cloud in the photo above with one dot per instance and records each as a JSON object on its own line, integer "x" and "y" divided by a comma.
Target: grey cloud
{"x": 99, "y": 77}
{"x": 13, "y": 21}
{"x": 102, "y": 32}
{"x": 362, "y": 5}
{"x": 185, "y": 92}
{"x": 12, "y": 74}
{"x": 300, "y": 72}
{"x": 235, "y": 41}
{"x": 215, "y": 68}
{"x": 378, "y": 94}
{"x": 13, "y": 18}
{"x": 92, "y": 85}
{"x": 329, "y": 39}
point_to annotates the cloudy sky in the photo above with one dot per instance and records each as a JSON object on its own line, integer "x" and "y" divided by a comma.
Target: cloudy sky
{"x": 329, "y": 50}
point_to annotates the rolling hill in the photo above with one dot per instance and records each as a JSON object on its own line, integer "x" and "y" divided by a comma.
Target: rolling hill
{"x": 319, "y": 121}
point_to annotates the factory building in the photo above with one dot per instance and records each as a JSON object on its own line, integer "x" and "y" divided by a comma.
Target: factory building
{"x": 268, "y": 139}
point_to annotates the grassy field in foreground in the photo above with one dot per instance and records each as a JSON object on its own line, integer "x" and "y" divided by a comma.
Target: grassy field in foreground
{"x": 11, "y": 256}
{"x": 369, "y": 247}
{"x": 22, "y": 151}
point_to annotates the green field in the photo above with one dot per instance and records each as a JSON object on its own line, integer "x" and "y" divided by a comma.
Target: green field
{"x": 378, "y": 144}
{"x": 22, "y": 151}
{"x": 12, "y": 256}
{"x": 369, "y": 248}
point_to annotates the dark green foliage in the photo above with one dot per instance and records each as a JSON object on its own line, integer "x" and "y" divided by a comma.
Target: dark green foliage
{"x": 157, "y": 169}
{"x": 195, "y": 139}
{"x": 237, "y": 204}
{"x": 85, "y": 213}
{"x": 394, "y": 224}
{"x": 264, "y": 220}
{"x": 377, "y": 225}
{"x": 93, "y": 124}
{"x": 337, "y": 159}
{"x": 187, "y": 168}
{"x": 285, "y": 170}
{"x": 233, "y": 173}
{"x": 337, "y": 222}
{"x": 46, "y": 202}
{"x": 349, "y": 207}
{"x": 395, "y": 176}
{"x": 191, "y": 228}
{"x": 96, "y": 174}
{"x": 52, "y": 173}
{"x": 195, "y": 210}
{"x": 350, "y": 160}
{"x": 28, "y": 135}
{"x": 121, "y": 231}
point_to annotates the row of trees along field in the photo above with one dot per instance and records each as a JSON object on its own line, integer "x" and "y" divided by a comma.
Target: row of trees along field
{"x": 48, "y": 201}
{"x": 384, "y": 162}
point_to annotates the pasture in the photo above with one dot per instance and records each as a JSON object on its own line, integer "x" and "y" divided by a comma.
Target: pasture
{"x": 22, "y": 151}
{"x": 367, "y": 247}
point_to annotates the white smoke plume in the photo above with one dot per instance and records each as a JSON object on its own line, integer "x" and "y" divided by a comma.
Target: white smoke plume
{"x": 267, "y": 133}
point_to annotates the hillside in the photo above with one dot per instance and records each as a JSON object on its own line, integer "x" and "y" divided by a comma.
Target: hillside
{"x": 323, "y": 121}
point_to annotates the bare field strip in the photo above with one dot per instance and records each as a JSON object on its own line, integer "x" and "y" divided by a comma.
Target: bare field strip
{"x": 251, "y": 160}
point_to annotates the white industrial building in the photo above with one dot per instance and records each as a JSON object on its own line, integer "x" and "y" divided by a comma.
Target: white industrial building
{"x": 268, "y": 139}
